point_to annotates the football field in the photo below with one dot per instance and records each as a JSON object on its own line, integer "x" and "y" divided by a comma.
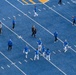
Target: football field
{"x": 52, "y": 17}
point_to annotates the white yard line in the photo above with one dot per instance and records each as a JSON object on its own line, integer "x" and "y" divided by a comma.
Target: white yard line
{"x": 74, "y": 1}
{"x": 54, "y": 6}
{"x": 59, "y": 51}
{"x": 19, "y": 62}
{"x": 12, "y": 63}
{"x": 9, "y": 18}
{"x": 8, "y": 66}
{"x": 63, "y": 3}
{"x": 3, "y": 18}
{"x": 31, "y": 59}
{"x": 2, "y": 67}
{"x": 54, "y": 52}
{"x": 57, "y": 13}
{"x": 19, "y": 15}
{"x": 39, "y": 9}
{"x": 68, "y": 2}
{"x": 29, "y": 12}
{"x": 20, "y": 2}
{"x": 25, "y": 61}
{"x": 44, "y": 8}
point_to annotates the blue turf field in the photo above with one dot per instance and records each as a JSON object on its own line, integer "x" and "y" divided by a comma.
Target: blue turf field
{"x": 51, "y": 17}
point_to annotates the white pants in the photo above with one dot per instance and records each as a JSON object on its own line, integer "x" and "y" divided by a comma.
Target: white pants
{"x": 26, "y": 53}
{"x": 36, "y": 57}
{"x": 43, "y": 53}
{"x": 35, "y": 14}
{"x": 65, "y": 49}
{"x": 48, "y": 57}
{"x": 39, "y": 47}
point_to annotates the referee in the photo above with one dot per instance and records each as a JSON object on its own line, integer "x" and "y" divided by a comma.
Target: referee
{"x": 34, "y": 31}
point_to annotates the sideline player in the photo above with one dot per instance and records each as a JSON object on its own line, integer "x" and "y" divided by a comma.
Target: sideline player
{"x": 36, "y": 54}
{"x": 39, "y": 44}
{"x": 35, "y": 11}
{"x": 56, "y": 36}
{"x": 0, "y": 27}
{"x": 26, "y": 50}
{"x": 10, "y": 44}
{"x": 65, "y": 44}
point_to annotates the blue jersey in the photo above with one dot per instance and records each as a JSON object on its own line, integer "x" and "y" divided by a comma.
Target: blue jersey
{"x": 47, "y": 52}
{"x": 14, "y": 22}
{"x": 75, "y": 18}
{"x": 35, "y": 8}
{"x": 43, "y": 49}
{"x": 26, "y": 49}
{"x": 36, "y": 52}
{"x": 10, "y": 42}
{"x": 55, "y": 34}
{"x": 39, "y": 42}
{"x": 65, "y": 43}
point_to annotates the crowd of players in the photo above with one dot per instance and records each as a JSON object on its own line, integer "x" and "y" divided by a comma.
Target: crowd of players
{"x": 41, "y": 48}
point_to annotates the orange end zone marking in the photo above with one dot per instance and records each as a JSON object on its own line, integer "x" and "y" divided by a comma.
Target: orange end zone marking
{"x": 32, "y": 1}
{"x": 43, "y": 1}
{"x": 24, "y": 1}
